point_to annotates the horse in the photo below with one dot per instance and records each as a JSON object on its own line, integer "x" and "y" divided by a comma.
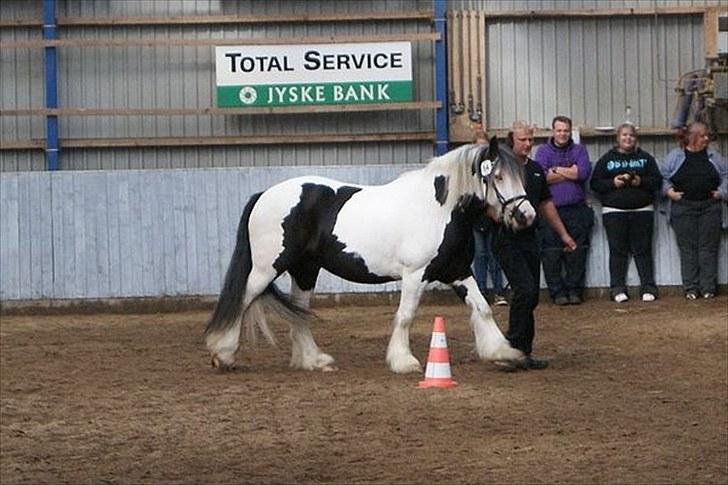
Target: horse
{"x": 417, "y": 229}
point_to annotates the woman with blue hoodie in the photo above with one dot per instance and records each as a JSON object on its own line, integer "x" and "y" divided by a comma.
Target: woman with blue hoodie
{"x": 695, "y": 179}
{"x": 627, "y": 179}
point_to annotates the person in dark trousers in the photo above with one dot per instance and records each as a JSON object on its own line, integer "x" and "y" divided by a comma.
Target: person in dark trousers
{"x": 519, "y": 253}
{"x": 567, "y": 168}
{"x": 627, "y": 179}
{"x": 695, "y": 179}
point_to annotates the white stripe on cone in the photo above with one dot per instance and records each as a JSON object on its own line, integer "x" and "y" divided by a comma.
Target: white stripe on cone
{"x": 438, "y": 340}
{"x": 436, "y": 370}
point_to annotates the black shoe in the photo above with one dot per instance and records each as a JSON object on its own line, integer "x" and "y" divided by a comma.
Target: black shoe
{"x": 524, "y": 364}
{"x": 511, "y": 365}
{"x": 536, "y": 364}
{"x": 561, "y": 300}
{"x": 574, "y": 300}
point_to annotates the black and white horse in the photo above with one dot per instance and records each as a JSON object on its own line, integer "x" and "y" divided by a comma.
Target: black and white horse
{"x": 417, "y": 229}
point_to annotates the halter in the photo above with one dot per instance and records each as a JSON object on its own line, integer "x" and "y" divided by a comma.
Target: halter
{"x": 501, "y": 199}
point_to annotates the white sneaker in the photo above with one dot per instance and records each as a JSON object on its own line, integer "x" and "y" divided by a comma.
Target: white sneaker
{"x": 648, "y": 297}
{"x": 621, "y": 297}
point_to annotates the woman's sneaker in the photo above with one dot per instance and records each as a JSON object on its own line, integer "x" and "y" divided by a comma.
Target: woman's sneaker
{"x": 621, "y": 297}
{"x": 648, "y": 297}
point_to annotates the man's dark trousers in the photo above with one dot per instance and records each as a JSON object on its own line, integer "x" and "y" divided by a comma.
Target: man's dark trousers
{"x": 518, "y": 256}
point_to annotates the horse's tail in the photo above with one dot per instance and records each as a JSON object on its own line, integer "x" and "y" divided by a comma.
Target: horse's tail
{"x": 229, "y": 308}
{"x": 229, "y": 305}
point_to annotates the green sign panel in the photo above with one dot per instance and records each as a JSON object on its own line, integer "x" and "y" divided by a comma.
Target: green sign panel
{"x": 299, "y": 75}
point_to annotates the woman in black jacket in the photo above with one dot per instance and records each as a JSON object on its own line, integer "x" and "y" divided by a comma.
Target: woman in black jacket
{"x": 626, "y": 179}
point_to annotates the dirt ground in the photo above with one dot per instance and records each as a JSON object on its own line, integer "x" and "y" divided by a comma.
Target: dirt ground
{"x": 636, "y": 393}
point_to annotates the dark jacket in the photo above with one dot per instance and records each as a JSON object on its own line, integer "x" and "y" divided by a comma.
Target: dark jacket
{"x": 615, "y": 163}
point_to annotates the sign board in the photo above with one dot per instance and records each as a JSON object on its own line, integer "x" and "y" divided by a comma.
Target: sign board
{"x": 319, "y": 74}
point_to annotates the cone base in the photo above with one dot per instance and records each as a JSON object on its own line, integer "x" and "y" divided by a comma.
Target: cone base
{"x": 442, "y": 383}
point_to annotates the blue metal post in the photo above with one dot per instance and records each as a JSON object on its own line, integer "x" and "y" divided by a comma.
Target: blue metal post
{"x": 51, "y": 84}
{"x": 441, "y": 122}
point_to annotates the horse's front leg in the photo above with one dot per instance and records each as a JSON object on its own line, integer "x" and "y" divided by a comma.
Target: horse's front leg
{"x": 399, "y": 355}
{"x": 490, "y": 344}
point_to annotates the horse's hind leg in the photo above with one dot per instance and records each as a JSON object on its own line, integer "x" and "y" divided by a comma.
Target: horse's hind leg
{"x": 224, "y": 344}
{"x": 305, "y": 354}
{"x": 399, "y": 355}
{"x": 490, "y": 344}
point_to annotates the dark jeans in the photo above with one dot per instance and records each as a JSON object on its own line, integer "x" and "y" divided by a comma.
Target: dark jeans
{"x": 484, "y": 263}
{"x": 630, "y": 232}
{"x": 565, "y": 272}
{"x": 519, "y": 257}
{"x": 697, "y": 229}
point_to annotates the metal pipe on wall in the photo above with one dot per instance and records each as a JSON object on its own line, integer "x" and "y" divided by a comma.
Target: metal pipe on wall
{"x": 51, "y": 83}
{"x": 441, "y": 123}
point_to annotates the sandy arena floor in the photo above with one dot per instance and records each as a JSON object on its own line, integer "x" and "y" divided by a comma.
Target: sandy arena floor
{"x": 636, "y": 393}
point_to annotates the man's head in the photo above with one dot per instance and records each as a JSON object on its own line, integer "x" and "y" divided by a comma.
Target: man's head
{"x": 561, "y": 129}
{"x": 521, "y": 138}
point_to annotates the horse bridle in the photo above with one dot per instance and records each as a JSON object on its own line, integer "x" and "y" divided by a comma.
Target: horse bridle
{"x": 504, "y": 203}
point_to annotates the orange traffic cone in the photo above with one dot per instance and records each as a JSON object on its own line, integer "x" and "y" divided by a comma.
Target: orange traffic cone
{"x": 437, "y": 373}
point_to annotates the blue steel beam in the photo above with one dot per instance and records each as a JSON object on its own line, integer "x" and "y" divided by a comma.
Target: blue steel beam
{"x": 51, "y": 84}
{"x": 441, "y": 122}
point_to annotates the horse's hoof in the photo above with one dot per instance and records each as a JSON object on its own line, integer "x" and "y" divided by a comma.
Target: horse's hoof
{"x": 221, "y": 366}
{"x": 411, "y": 365}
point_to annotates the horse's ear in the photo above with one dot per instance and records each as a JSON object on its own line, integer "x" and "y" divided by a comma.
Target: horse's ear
{"x": 493, "y": 148}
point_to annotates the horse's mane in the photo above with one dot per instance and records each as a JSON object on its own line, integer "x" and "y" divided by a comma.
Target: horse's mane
{"x": 457, "y": 165}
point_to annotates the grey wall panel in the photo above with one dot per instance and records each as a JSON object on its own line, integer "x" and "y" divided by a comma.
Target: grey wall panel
{"x": 590, "y": 70}
{"x": 142, "y": 233}
{"x": 183, "y": 77}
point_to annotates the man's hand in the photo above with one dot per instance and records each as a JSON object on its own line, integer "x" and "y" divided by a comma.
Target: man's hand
{"x": 636, "y": 181}
{"x": 619, "y": 181}
{"x": 569, "y": 243}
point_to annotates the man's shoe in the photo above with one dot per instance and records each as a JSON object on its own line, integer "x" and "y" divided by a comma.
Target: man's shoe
{"x": 561, "y": 300}
{"x": 648, "y": 297}
{"x": 524, "y": 364}
{"x": 536, "y": 364}
{"x": 499, "y": 300}
{"x": 511, "y": 365}
{"x": 621, "y": 297}
{"x": 574, "y": 300}
{"x": 691, "y": 295}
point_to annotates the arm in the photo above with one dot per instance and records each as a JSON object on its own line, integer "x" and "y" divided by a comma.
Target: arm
{"x": 559, "y": 174}
{"x": 601, "y": 181}
{"x": 579, "y": 170}
{"x": 582, "y": 163}
{"x": 667, "y": 169}
{"x": 722, "y": 166}
{"x": 651, "y": 178}
{"x": 551, "y": 216}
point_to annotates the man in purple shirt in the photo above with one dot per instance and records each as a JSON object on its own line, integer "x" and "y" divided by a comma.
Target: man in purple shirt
{"x": 567, "y": 168}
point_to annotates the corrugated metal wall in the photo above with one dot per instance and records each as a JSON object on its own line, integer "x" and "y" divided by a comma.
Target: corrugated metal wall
{"x": 141, "y": 233}
{"x": 183, "y": 77}
{"x": 69, "y": 235}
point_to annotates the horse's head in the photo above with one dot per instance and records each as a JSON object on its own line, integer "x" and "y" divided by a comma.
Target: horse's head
{"x": 503, "y": 185}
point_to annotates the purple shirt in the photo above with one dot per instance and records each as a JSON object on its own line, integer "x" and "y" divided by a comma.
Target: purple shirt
{"x": 568, "y": 192}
